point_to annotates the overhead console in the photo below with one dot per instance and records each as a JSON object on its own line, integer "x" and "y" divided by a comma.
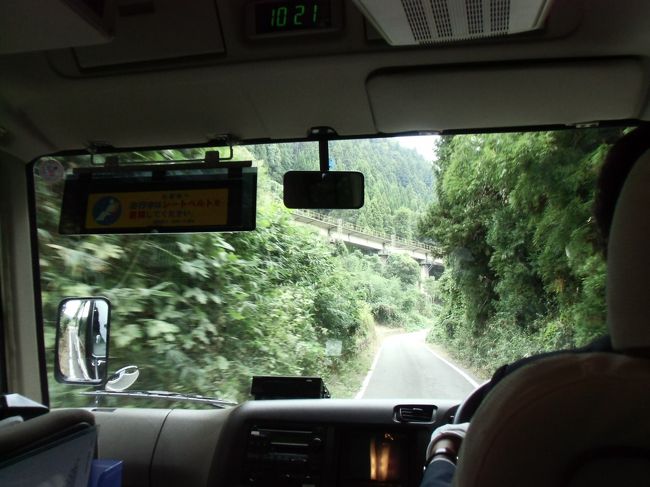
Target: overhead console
{"x": 165, "y": 33}
{"x": 151, "y": 34}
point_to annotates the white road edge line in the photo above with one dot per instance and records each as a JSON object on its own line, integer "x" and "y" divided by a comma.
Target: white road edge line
{"x": 464, "y": 374}
{"x": 364, "y": 385}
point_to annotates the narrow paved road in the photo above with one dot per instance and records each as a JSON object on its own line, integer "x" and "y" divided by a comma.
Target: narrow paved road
{"x": 406, "y": 367}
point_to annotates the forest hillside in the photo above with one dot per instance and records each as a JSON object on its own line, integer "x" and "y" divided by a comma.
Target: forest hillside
{"x": 513, "y": 216}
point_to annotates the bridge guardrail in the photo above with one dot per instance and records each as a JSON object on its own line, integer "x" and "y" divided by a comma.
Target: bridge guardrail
{"x": 356, "y": 228}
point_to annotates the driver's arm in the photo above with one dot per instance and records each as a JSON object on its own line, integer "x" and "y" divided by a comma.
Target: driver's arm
{"x": 442, "y": 453}
{"x": 439, "y": 473}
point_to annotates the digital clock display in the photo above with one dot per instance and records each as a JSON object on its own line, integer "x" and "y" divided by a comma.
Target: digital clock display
{"x": 275, "y": 17}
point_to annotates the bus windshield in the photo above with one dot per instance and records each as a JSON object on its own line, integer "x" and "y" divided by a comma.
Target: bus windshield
{"x": 470, "y": 251}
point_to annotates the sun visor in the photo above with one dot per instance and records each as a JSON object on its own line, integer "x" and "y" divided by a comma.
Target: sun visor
{"x": 505, "y": 96}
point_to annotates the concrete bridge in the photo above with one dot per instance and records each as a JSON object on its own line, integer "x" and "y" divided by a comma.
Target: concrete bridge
{"x": 338, "y": 230}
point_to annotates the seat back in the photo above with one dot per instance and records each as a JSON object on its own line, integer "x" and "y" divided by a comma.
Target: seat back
{"x": 555, "y": 421}
{"x": 628, "y": 264}
{"x": 55, "y": 448}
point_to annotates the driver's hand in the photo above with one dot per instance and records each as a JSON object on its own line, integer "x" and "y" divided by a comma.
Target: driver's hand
{"x": 451, "y": 435}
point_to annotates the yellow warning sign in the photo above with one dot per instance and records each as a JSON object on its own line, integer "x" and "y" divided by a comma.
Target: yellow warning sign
{"x": 146, "y": 209}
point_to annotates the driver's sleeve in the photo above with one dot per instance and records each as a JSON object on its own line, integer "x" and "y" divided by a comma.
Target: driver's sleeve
{"x": 439, "y": 473}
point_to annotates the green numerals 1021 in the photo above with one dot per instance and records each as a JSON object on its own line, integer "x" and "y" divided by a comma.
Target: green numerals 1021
{"x": 295, "y": 16}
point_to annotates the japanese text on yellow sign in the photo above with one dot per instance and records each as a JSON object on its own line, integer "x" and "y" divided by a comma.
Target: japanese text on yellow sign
{"x": 173, "y": 208}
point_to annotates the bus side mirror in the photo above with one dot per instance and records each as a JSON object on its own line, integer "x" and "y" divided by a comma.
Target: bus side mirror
{"x": 82, "y": 336}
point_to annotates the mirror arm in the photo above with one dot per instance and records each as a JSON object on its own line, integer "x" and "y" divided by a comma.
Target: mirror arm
{"x": 324, "y": 154}
{"x": 323, "y": 134}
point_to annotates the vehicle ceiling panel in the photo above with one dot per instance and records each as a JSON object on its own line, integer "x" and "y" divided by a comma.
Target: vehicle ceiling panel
{"x": 167, "y": 29}
{"x": 279, "y": 89}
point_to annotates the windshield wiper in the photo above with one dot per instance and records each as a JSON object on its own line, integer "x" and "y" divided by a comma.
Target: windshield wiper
{"x": 168, "y": 396}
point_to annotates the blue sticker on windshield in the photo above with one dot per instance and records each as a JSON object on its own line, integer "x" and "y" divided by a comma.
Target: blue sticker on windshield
{"x": 107, "y": 210}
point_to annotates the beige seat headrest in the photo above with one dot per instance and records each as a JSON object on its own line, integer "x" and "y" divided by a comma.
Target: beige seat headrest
{"x": 565, "y": 420}
{"x": 628, "y": 262}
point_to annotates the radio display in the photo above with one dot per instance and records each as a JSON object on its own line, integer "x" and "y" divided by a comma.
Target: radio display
{"x": 375, "y": 459}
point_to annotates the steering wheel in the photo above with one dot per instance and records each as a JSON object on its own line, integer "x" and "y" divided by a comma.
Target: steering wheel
{"x": 470, "y": 404}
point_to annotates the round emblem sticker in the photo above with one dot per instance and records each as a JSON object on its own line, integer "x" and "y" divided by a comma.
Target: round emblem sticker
{"x": 107, "y": 210}
{"x": 51, "y": 170}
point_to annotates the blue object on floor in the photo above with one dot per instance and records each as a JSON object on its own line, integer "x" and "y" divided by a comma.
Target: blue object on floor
{"x": 106, "y": 473}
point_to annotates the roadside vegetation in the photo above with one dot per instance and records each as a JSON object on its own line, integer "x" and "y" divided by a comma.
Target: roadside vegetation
{"x": 513, "y": 218}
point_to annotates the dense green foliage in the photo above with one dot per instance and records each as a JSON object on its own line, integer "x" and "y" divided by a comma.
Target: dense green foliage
{"x": 390, "y": 289}
{"x": 202, "y": 313}
{"x": 513, "y": 218}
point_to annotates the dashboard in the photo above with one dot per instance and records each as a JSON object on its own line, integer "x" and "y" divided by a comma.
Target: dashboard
{"x": 319, "y": 442}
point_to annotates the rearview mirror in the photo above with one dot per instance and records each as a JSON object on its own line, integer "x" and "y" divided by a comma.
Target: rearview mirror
{"x": 82, "y": 336}
{"x": 323, "y": 190}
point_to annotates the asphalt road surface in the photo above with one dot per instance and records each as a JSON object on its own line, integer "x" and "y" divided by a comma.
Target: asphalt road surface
{"x": 75, "y": 369}
{"x": 406, "y": 367}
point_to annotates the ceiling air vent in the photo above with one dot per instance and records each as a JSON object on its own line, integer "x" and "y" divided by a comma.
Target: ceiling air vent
{"x": 415, "y": 413}
{"x": 424, "y": 22}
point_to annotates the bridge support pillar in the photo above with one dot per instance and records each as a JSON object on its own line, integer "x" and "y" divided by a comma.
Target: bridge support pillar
{"x": 424, "y": 271}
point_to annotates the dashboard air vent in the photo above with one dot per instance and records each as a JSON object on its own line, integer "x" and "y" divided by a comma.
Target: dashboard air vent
{"x": 425, "y": 22}
{"x": 418, "y": 413}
